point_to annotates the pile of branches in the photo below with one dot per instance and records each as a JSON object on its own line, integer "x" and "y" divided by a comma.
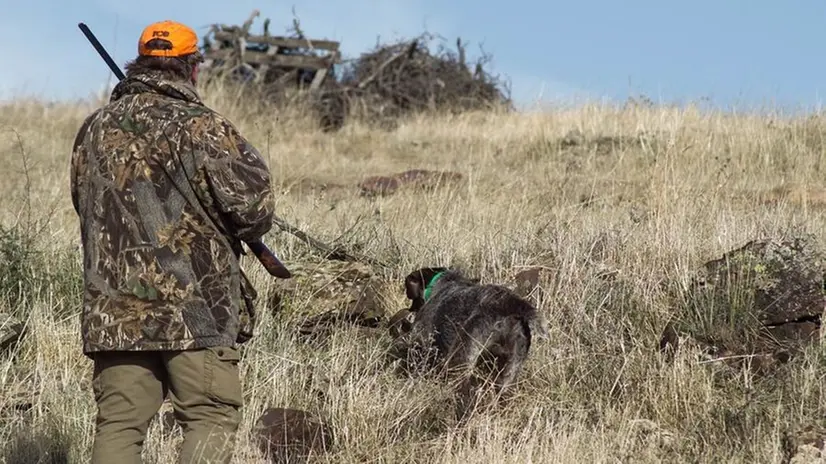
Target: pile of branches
{"x": 404, "y": 78}
{"x": 244, "y": 68}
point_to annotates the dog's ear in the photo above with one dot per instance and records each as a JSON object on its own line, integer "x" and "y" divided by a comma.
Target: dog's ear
{"x": 416, "y": 281}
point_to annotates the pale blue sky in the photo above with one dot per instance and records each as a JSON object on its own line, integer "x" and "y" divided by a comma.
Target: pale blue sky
{"x": 744, "y": 53}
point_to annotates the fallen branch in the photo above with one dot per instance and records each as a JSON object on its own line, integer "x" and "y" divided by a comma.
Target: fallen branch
{"x": 408, "y": 52}
{"x": 331, "y": 252}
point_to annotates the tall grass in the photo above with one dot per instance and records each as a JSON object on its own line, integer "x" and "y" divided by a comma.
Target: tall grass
{"x": 618, "y": 204}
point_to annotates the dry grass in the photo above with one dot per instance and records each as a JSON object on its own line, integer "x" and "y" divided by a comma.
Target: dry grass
{"x": 596, "y": 391}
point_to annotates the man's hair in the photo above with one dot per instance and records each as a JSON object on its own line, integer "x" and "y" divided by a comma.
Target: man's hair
{"x": 174, "y": 68}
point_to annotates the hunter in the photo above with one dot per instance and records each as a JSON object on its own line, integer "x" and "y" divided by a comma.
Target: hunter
{"x": 166, "y": 189}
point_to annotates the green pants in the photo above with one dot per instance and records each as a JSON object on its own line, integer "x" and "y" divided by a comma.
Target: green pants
{"x": 129, "y": 388}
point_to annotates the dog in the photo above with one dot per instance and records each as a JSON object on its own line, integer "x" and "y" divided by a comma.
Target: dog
{"x": 463, "y": 328}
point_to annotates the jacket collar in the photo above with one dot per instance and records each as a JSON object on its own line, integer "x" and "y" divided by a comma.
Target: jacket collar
{"x": 151, "y": 82}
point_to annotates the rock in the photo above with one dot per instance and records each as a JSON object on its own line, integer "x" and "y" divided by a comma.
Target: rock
{"x": 291, "y": 435}
{"x": 527, "y": 282}
{"x": 527, "y": 285}
{"x": 785, "y": 278}
{"x": 806, "y": 445}
{"x": 419, "y": 178}
{"x": 325, "y": 286}
{"x": 764, "y": 299}
{"x": 330, "y": 293}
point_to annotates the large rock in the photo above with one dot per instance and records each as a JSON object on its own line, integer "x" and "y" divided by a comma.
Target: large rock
{"x": 783, "y": 279}
{"x": 327, "y": 293}
{"x": 765, "y": 298}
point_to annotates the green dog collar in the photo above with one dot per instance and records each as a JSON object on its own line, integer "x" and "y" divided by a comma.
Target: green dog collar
{"x": 429, "y": 289}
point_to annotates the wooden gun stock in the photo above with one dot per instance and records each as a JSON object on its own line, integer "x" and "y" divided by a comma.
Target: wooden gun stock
{"x": 271, "y": 262}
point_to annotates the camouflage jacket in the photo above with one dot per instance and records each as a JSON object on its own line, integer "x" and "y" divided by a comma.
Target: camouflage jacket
{"x": 165, "y": 190}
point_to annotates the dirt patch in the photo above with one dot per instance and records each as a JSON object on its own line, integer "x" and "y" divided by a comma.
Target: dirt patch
{"x": 794, "y": 195}
{"x": 576, "y": 142}
{"x": 414, "y": 178}
{"x": 287, "y": 435}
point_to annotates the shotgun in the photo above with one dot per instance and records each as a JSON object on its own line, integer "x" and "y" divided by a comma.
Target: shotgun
{"x": 267, "y": 258}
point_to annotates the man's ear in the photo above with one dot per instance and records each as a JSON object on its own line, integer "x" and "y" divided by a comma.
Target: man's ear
{"x": 416, "y": 281}
{"x": 193, "y": 76}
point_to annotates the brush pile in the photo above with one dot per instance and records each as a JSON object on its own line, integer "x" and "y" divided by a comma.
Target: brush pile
{"x": 407, "y": 77}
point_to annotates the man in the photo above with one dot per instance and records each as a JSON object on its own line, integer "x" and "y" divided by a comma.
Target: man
{"x": 166, "y": 189}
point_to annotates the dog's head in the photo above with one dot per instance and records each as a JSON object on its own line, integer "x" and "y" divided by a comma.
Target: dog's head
{"x": 417, "y": 281}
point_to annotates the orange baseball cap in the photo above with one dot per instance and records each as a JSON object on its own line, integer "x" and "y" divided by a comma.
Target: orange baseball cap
{"x": 183, "y": 39}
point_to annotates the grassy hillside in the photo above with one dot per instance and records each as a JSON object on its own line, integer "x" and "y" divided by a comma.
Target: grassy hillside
{"x": 643, "y": 194}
